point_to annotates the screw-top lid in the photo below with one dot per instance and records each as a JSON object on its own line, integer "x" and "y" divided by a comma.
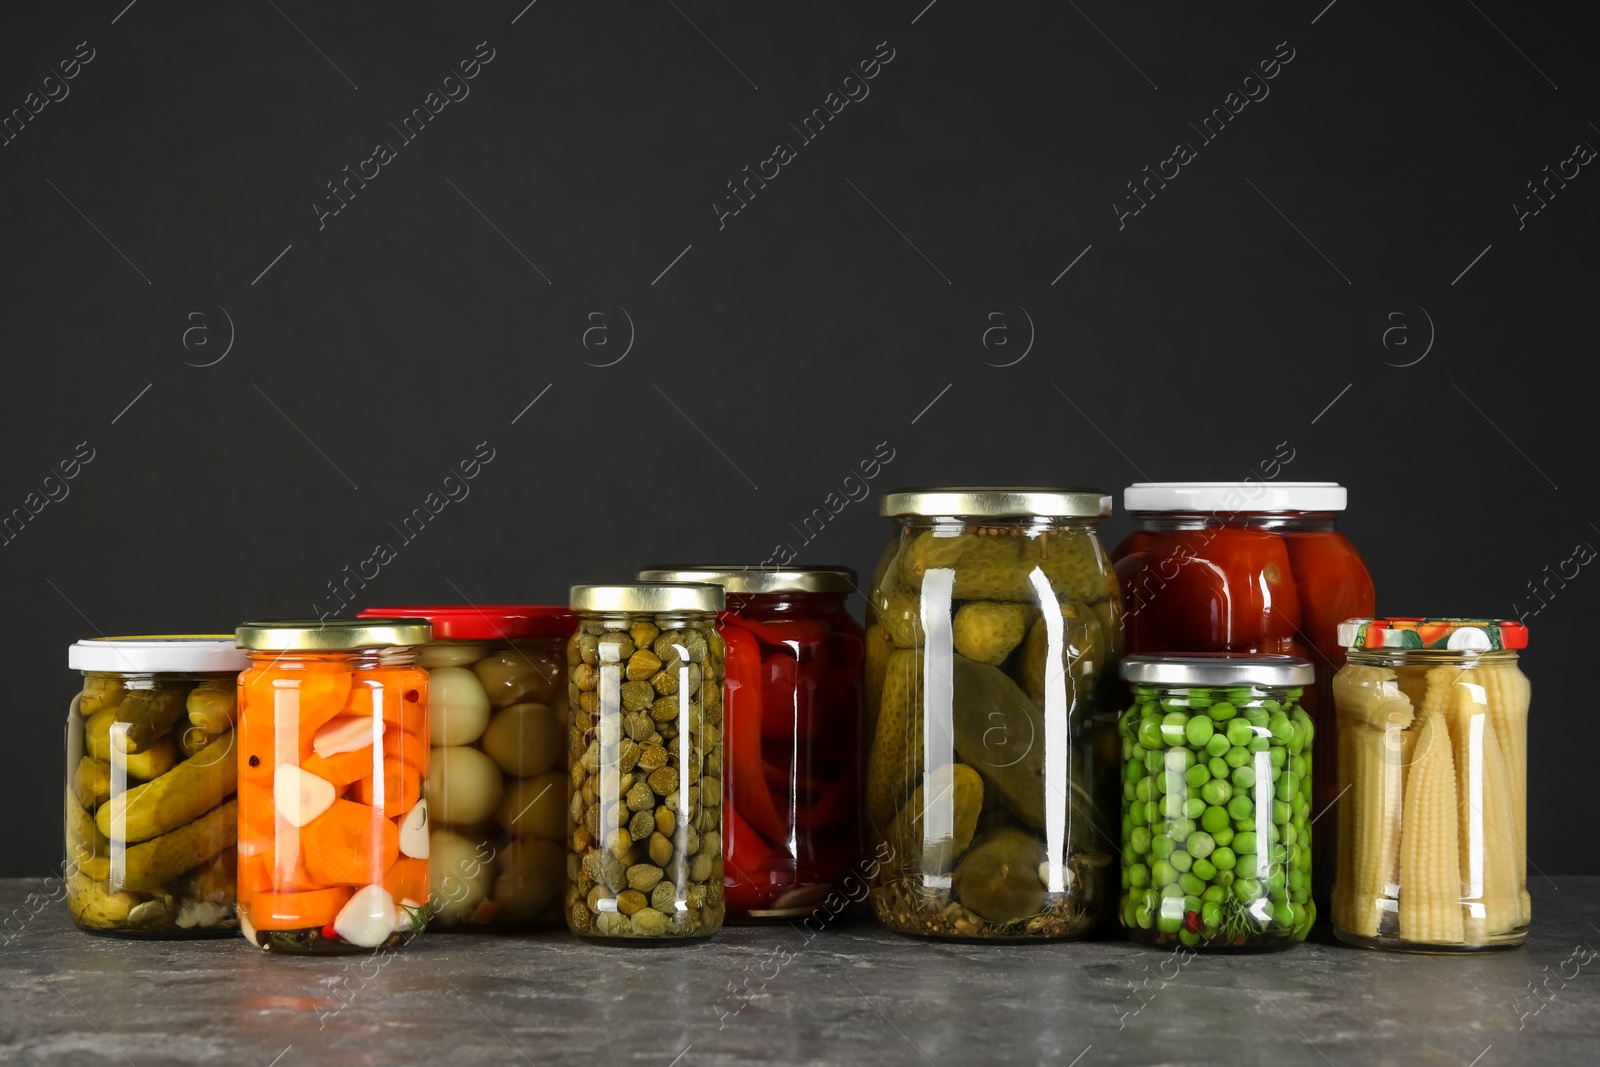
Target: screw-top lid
{"x": 648, "y": 596}
{"x": 158, "y": 654}
{"x": 1459, "y": 635}
{"x": 1234, "y": 496}
{"x": 332, "y": 635}
{"x": 748, "y": 578}
{"x": 1218, "y": 668}
{"x": 483, "y": 622}
{"x": 994, "y": 502}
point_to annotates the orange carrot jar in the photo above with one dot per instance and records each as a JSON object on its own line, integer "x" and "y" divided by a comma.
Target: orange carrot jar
{"x": 333, "y": 754}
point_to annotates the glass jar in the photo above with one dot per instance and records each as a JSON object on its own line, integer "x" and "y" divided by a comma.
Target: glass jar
{"x": 1216, "y": 801}
{"x": 333, "y": 756}
{"x": 792, "y": 734}
{"x": 497, "y": 786}
{"x": 151, "y": 813}
{"x": 1274, "y": 575}
{"x": 1433, "y": 742}
{"x": 644, "y": 689}
{"x": 994, "y": 624}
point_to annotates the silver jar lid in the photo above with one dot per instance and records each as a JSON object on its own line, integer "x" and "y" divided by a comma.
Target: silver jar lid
{"x": 746, "y": 578}
{"x": 1001, "y": 501}
{"x": 648, "y": 597}
{"x": 1218, "y": 668}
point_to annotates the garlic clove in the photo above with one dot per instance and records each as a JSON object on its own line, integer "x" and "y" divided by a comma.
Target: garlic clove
{"x": 299, "y": 795}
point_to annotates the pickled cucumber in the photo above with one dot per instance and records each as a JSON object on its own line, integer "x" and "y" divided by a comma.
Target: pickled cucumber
{"x": 901, "y": 615}
{"x": 896, "y": 756}
{"x": 99, "y": 692}
{"x": 954, "y": 788}
{"x": 149, "y": 714}
{"x": 91, "y": 782}
{"x": 148, "y": 864}
{"x": 212, "y": 705}
{"x": 1083, "y": 660}
{"x": 987, "y": 631}
{"x": 97, "y": 733}
{"x": 150, "y": 763}
{"x": 190, "y": 789}
{"x": 1000, "y": 566}
{"x": 94, "y": 905}
{"x": 879, "y": 645}
{"x": 999, "y": 878}
{"x": 85, "y": 842}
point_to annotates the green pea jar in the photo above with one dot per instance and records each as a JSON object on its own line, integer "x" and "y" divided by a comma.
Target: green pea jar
{"x": 1216, "y": 802}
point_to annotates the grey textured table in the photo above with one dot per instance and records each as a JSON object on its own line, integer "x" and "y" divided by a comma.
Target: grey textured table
{"x": 850, "y": 994}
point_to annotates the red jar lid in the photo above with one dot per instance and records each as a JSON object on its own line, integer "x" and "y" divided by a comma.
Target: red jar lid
{"x": 484, "y": 622}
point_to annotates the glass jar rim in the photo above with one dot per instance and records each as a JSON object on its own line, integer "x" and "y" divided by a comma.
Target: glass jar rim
{"x": 648, "y": 597}
{"x": 1005, "y": 501}
{"x": 755, "y": 579}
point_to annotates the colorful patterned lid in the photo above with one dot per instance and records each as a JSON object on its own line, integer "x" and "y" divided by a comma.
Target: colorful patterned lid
{"x": 1458, "y": 635}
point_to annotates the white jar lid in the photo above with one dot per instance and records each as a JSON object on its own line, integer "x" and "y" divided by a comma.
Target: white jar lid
{"x": 1234, "y": 496}
{"x": 159, "y": 654}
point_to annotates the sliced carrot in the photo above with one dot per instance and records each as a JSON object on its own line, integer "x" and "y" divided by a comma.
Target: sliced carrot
{"x": 287, "y": 866}
{"x": 341, "y": 768}
{"x": 402, "y": 788}
{"x": 399, "y": 694}
{"x": 254, "y": 877}
{"x": 257, "y": 818}
{"x": 407, "y": 879}
{"x": 297, "y": 911}
{"x": 349, "y": 844}
{"x": 407, "y": 747}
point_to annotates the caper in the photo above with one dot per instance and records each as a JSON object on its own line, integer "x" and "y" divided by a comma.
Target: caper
{"x": 644, "y": 633}
{"x": 588, "y": 648}
{"x": 711, "y": 791}
{"x": 664, "y": 710}
{"x": 649, "y": 923}
{"x": 630, "y": 901}
{"x": 612, "y": 923}
{"x": 664, "y": 819}
{"x": 642, "y": 825}
{"x": 615, "y": 647}
{"x": 640, "y": 798}
{"x": 666, "y": 682}
{"x": 667, "y": 644}
{"x": 644, "y": 876}
{"x": 637, "y": 696}
{"x": 700, "y": 869}
{"x": 663, "y": 781}
{"x": 660, "y": 849}
{"x": 642, "y": 664}
{"x": 585, "y": 677}
{"x": 596, "y": 895}
{"x": 652, "y": 758}
{"x": 664, "y": 897}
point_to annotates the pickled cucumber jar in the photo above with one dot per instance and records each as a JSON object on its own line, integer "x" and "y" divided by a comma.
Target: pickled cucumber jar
{"x": 644, "y": 690}
{"x": 497, "y": 786}
{"x": 151, "y": 813}
{"x": 1433, "y": 777}
{"x": 333, "y": 809}
{"x": 792, "y": 732}
{"x": 1216, "y": 801}
{"x": 994, "y": 626}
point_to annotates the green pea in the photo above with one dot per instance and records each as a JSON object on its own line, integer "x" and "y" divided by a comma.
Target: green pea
{"x": 1241, "y": 806}
{"x": 1136, "y": 812}
{"x": 1144, "y": 917}
{"x": 1282, "y": 914}
{"x": 1191, "y": 902}
{"x": 1244, "y": 779}
{"x": 1277, "y": 855}
{"x": 1223, "y": 859}
{"x": 1239, "y": 732}
{"x": 1199, "y": 775}
{"x": 1241, "y": 694}
{"x": 1169, "y": 924}
{"x": 1248, "y": 864}
{"x": 1299, "y": 808}
{"x": 1223, "y": 878}
{"x": 1163, "y": 873}
{"x": 1181, "y": 860}
{"x": 1297, "y": 738}
{"x": 1211, "y": 913}
{"x": 1194, "y": 807}
{"x": 1278, "y": 757}
{"x": 1223, "y": 836}
{"x": 1200, "y": 698}
{"x": 1302, "y": 862}
{"x": 1296, "y": 882}
{"x": 1169, "y": 891}
{"x": 1180, "y": 829}
{"x": 1218, "y": 766}
{"x": 1244, "y": 824}
{"x": 1290, "y": 834}
{"x": 1216, "y": 895}
{"x": 1297, "y": 764}
{"x": 1172, "y": 725}
{"x": 1127, "y": 826}
{"x": 1305, "y": 787}
{"x": 1245, "y": 842}
{"x": 1216, "y": 791}
{"x": 1237, "y": 757}
{"x": 1204, "y": 870}
{"x": 1259, "y": 744}
{"x": 1149, "y": 734}
{"x": 1139, "y": 840}
{"x": 1214, "y": 819}
{"x": 1221, "y": 711}
{"x": 1257, "y": 716}
{"x": 1217, "y": 745}
{"x": 1161, "y": 846}
{"x": 1172, "y": 805}
{"x": 1179, "y": 759}
{"x": 1129, "y": 913}
{"x": 1280, "y": 812}
{"x": 1134, "y": 770}
{"x": 1188, "y": 936}
{"x": 1127, "y": 790}
{"x": 1193, "y": 886}
{"x": 1144, "y": 788}
{"x": 1284, "y": 788}
{"x": 1198, "y": 731}
{"x": 1154, "y": 761}
{"x": 1200, "y": 844}
{"x": 1278, "y": 725}
{"x": 1247, "y": 890}
{"x": 1138, "y": 876}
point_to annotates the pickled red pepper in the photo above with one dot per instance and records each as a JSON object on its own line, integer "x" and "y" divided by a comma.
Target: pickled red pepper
{"x": 333, "y": 827}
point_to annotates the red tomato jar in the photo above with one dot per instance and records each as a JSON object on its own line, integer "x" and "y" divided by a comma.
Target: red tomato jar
{"x": 791, "y": 735}
{"x": 1247, "y": 568}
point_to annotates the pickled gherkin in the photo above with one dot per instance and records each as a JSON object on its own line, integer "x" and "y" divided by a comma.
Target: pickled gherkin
{"x": 1006, "y": 834}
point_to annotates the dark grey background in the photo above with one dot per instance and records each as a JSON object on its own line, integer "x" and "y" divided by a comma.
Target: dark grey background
{"x": 849, "y": 296}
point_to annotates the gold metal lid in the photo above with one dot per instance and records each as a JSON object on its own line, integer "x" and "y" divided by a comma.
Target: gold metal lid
{"x": 332, "y": 635}
{"x": 754, "y": 578}
{"x": 998, "y": 502}
{"x": 648, "y": 596}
